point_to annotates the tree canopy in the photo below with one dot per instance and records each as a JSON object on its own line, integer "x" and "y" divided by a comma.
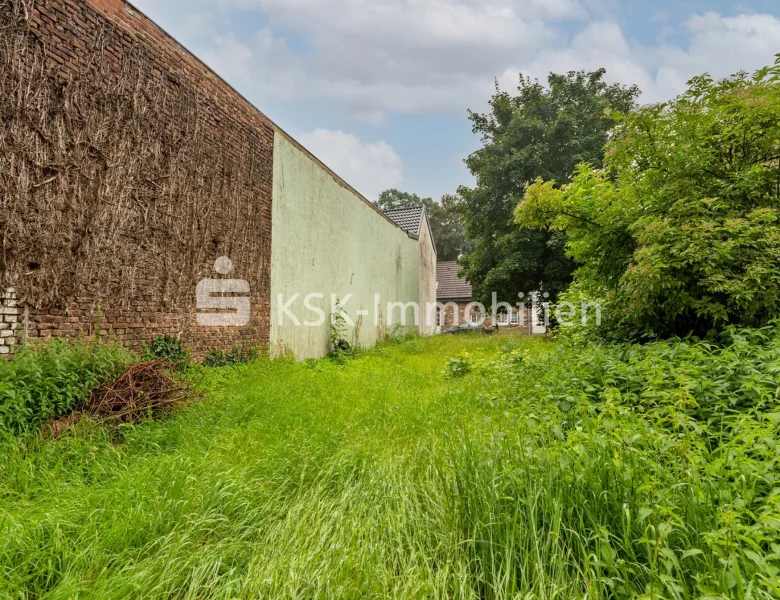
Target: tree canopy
{"x": 446, "y": 224}
{"x": 396, "y": 199}
{"x": 543, "y": 131}
{"x": 680, "y": 233}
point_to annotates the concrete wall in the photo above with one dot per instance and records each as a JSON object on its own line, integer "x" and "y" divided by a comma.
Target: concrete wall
{"x": 427, "y": 279}
{"x": 326, "y": 239}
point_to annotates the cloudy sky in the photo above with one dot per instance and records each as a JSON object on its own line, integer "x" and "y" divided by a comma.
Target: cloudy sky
{"x": 379, "y": 89}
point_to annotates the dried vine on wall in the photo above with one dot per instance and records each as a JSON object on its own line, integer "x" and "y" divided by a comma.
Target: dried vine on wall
{"x": 115, "y": 176}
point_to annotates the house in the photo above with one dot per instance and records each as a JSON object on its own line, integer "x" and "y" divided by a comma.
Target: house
{"x": 192, "y": 215}
{"x": 456, "y": 304}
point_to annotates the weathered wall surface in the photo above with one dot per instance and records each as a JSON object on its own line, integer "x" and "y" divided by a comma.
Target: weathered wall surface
{"x": 328, "y": 240}
{"x": 427, "y": 279}
{"x": 11, "y": 317}
{"x": 126, "y": 168}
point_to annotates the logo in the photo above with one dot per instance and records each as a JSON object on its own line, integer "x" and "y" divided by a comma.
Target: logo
{"x": 217, "y": 301}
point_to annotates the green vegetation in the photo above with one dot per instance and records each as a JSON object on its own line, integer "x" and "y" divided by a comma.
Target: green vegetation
{"x": 458, "y": 367}
{"x": 544, "y": 470}
{"x": 466, "y": 467}
{"x": 237, "y": 356}
{"x": 681, "y": 232}
{"x": 340, "y": 348}
{"x": 540, "y": 132}
{"x": 169, "y": 347}
{"x": 446, "y": 224}
{"x": 172, "y": 349}
{"x": 51, "y": 381}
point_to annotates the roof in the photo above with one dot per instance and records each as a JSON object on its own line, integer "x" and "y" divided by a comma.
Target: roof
{"x": 408, "y": 219}
{"x": 448, "y": 285}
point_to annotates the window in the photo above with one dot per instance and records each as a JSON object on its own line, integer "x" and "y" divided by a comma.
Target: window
{"x": 475, "y": 317}
{"x": 438, "y": 317}
{"x": 503, "y": 319}
{"x": 515, "y": 317}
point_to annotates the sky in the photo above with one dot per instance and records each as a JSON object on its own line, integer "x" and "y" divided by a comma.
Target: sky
{"x": 380, "y": 90}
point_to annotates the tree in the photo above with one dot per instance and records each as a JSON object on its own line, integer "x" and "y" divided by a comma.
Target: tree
{"x": 541, "y": 132}
{"x": 396, "y": 199}
{"x": 446, "y": 224}
{"x": 681, "y": 233}
{"x": 448, "y": 229}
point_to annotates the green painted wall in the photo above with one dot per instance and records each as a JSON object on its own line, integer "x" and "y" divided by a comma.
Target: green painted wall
{"x": 427, "y": 282}
{"x": 328, "y": 240}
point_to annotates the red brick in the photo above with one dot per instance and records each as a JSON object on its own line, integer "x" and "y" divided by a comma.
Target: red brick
{"x": 68, "y": 30}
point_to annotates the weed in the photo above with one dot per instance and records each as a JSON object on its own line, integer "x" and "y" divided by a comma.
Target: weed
{"x": 237, "y": 356}
{"x": 458, "y": 367}
{"x": 169, "y": 347}
{"x": 548, "y": 471}
{"x": 338, "y": 332}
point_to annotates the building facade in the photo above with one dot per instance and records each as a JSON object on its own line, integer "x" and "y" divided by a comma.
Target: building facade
{"x": 456, "y": 306}
{"x": 128, "y": 168}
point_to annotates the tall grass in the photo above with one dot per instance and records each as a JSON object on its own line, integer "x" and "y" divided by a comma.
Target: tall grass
{"x": 542, "y": 471}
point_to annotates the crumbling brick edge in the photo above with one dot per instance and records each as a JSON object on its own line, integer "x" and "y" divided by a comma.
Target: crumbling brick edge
{"x": 13, "y": 322}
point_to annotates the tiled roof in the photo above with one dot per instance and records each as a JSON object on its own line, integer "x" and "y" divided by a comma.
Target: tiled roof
{"x": 448, "y": 285}
{"x": 408, "y": 219}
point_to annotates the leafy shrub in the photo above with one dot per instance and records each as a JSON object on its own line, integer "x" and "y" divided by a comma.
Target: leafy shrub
{"x": 652, "y": 468}
{"x": 50, "y": 381}
{"x": 711, "y": 381}
{"x": 339, "y": 344}
{"x": 170, "y": 347}
{"x": 680, "y": 232}
{"x": 458, "y": 367}
{"x": 237, "y": 356}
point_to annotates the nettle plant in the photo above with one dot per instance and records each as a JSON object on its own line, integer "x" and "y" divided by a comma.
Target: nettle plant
{"x": 338, "y": 331}
{"x": 681, "y": 232}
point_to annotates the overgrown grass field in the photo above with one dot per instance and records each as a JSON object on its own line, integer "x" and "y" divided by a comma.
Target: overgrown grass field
{"x": 456, "y": 467}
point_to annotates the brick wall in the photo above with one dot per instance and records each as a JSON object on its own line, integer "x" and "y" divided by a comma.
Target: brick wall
{"x": 66, "y": 29}
{"x": 11, "y": 320}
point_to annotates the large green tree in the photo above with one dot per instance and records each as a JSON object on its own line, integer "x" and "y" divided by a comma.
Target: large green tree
{"x": 543, "y": 131}
{"x": 446, "y": 223}
{"x": 681, "y": 233}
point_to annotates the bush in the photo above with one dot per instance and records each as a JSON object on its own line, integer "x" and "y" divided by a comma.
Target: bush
{"x": 681, "y": 229}
{"x": 237, "y": 356}
{"x": 50, "y": 381}
{"x": 458, "y": 367}
{"x": 170, "y": 347}
{"x": 654, "y": 469}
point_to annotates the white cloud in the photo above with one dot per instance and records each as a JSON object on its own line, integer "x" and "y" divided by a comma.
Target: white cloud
{"x": 418, "y": 56}
{"x": 600, "y": 44}
{"x": 376, "y": 56}
{"x": 230, "y": 57}
{"x": 370, "y": 167}
{"x": 718, "y": 45}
